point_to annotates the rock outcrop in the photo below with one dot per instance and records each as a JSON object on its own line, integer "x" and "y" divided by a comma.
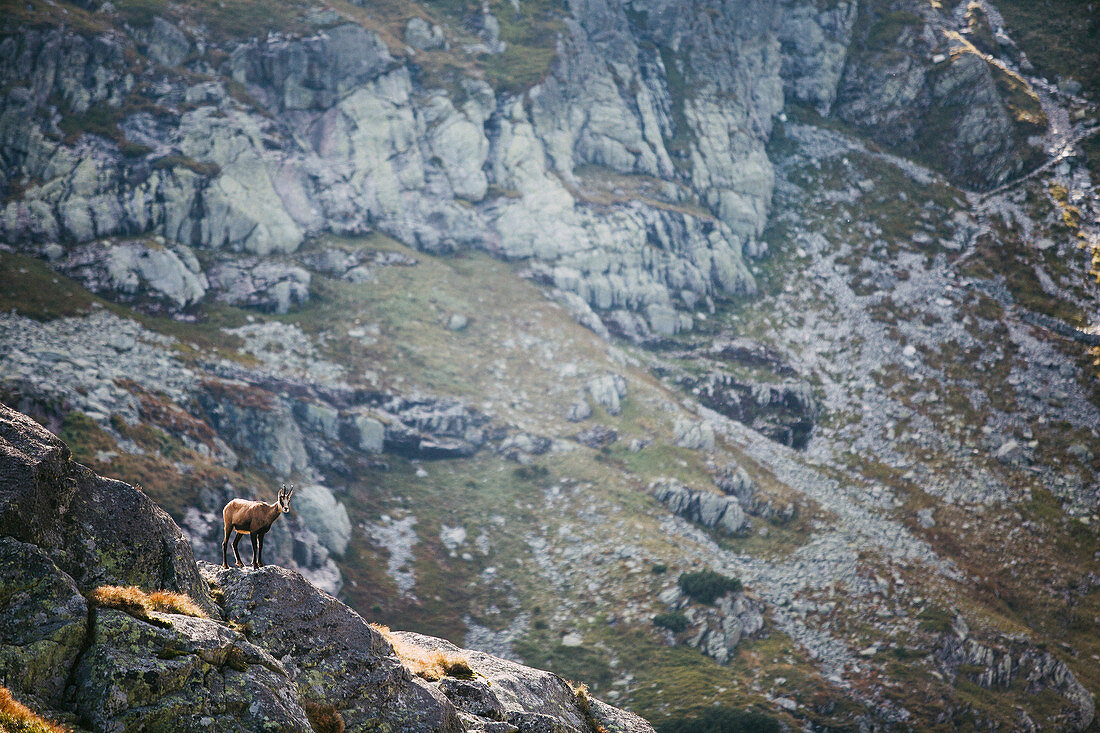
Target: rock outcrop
{"x": 272, "y": 647}
{"x": 709, "y": 509}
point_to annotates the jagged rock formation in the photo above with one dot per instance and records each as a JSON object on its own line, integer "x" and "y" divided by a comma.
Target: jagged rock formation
{"x": 266, "y": 143}
{"x": 273, "y": 643}
{"x": 709, "y": 509}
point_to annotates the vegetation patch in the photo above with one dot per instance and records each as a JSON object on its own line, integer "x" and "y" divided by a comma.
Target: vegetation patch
{"x": 429, "y": 664}
{"x": 674, "y": 621}
{"x": 323, "y": 717}
{"x": 584, "y": 703}
{"x": 15, "y": 717}
{"x": 706, "y": 586}
{"x": 721, "y": 720}
{"x": 139, "y": 604}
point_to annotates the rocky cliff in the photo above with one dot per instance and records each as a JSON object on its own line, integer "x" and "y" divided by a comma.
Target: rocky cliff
{"x": 633, "y": 175}
{"x": 267, "y": 651}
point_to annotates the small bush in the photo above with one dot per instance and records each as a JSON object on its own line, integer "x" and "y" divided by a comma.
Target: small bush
{"x": 721, "y": 720}
{"x": 429, "y": 664}
{"x": 706, "y": 585}
{"x": 531, "y": 473}
{"x": 323, "y": 717}
{"x": 674, "y": 621}
{"x": 584, "y": 704}
{"x": 138, "y": 603}
{"x": 659, "y": 568}
{"x": 18, "y": 718}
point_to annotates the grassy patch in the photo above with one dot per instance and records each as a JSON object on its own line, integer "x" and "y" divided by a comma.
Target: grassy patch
{"x": 33, "y": 289}
{"x": 429, "y": 664}
{"x": 139, "y": 604}
{"x": 1060, "y": 37}
{"x": 721, "y": 720}
{"x": 16, "y": 717}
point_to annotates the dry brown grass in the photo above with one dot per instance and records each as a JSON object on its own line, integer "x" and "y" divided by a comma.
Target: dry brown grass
{"x": 18, "y": 718}
{"x": 323, "y": 717}
{"x": 138, "y": 603}
{"x": 430, "y": 664}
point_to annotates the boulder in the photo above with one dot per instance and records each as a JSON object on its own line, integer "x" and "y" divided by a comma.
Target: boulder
{"x": 607, "y": 391}
{"x": 155, "y": 277}
{"x": 320, "y": 512}
{"x": 274, "y": 287}
{"x": 330, "y": 651}
{"x": 712, "y": 510}
{"x": 698, "y": 435}
{"x": 97, "y": 530}
{"x": 141, "y": 676}
{"x": 423, "y": 36}
{"x": 530, "y": 699}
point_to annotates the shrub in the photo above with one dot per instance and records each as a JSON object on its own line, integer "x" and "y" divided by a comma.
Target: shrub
{"x": 532, "y": 472}
{"x": 659, "y": 568}
{"x": 584, "y": 703}
{"x": 429, "y": 664}
{"x": 674, "y": 621}
{"x": 706, "y": 585}
{"x": 18, "y": 718}
{"x": 138, "y": 603}
{"x": 323, "y": 717}
{"x": 721, "y": 720}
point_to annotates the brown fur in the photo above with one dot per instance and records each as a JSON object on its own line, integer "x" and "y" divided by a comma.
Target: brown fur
{"x": 252, "y": 518}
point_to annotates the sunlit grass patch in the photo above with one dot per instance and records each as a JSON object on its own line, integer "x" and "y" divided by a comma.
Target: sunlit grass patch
{"x": 139, "y": 604}
{"x": 16, "y": 717}
{"x": 429, "y": 664}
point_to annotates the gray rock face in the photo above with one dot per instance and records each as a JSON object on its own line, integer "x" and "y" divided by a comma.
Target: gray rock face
{"x": 257, "y": 423}
{"x": 157, "y": 277}
{"x": 354, "y": 668}
{"x": 997, "y": 664}
{"x": 43, "y": 622}
{"x": 319, "y": 510}
{"x": 530, "y": 699}
{"x": 270, "y": 286}
{"x": 311, "y": 73}
{"x": 949, "y": 111}
{"x": 814, "y": 42}
{"x": 723, "y": 513}
{"x": 784, "y": 411}
{"x": 139, "y": 676}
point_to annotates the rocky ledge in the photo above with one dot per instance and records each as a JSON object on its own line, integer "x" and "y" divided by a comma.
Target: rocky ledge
{"x": 267, "y": 650}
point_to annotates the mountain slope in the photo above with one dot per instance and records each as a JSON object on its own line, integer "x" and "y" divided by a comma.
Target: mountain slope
{"x": 548, "y": 307}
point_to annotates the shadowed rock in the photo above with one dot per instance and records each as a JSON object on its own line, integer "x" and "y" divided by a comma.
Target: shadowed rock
{"x": 98, "y": 530}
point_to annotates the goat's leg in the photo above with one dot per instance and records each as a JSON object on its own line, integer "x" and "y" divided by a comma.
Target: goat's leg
{"x": 255, "y": 550}
{"x": 261, "y": 540}
{"x": 236, "y": 552}
{"x": 225, "y": 545}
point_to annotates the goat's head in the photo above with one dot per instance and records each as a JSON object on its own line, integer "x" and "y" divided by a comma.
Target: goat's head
{"x": 284, "y": 497}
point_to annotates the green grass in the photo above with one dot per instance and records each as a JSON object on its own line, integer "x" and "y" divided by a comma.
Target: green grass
{"x": 34, "y": 290}
{"x": 1060, "y": 37}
